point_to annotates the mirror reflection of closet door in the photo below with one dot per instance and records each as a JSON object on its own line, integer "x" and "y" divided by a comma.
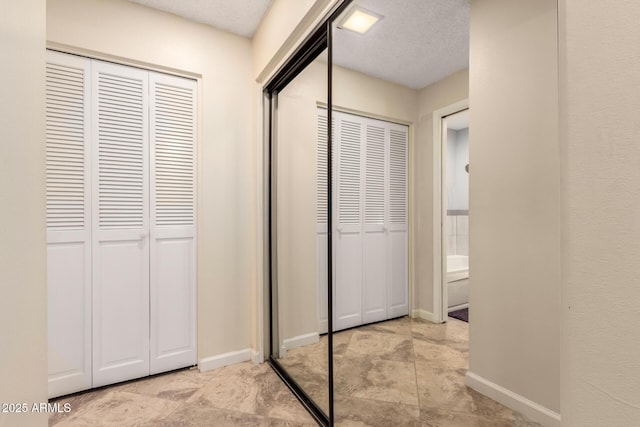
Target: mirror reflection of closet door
{"x": 374, "y": 363}
{"x": 339, "y": 188}
{"x": 370, "y": 250}
{"x": 349, "y": 233}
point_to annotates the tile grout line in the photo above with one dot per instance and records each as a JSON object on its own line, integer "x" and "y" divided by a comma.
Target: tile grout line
{"x": 415, "y": 370}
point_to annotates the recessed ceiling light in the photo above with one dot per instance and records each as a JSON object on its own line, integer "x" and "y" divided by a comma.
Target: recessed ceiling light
{"x": 359, "y": 20}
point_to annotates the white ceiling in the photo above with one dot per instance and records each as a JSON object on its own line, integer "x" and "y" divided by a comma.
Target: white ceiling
{"x": 418, "y": 42}
{"x": 236, "y": 16}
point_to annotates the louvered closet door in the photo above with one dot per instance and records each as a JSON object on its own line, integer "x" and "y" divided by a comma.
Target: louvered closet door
{"x": 321, "y": 220}
{"x": 371, "y": 220}
{"x": 348, "y": 250}
{"x": 68, "y": 224}
{"x": 173, "y": 223}
{"x": 397, "y": 224}
{"x": 120, "y": 223}
{"x": 375, "y": 231}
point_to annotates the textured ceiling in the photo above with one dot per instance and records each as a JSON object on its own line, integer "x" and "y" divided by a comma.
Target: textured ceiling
{"x": 236, "y": 16}
{"x": 418, "y": 42}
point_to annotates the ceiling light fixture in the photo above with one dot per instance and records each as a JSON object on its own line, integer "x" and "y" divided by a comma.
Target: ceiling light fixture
{"x": 359, "y": 20}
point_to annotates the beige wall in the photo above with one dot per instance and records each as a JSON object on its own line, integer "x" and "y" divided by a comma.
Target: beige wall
{"x": 276, "y": 26}
{"x": 23, "y": 301}
{"x": 374, "y": 97}
{"x": 441, "y": 94}
{"x": 296, "y": 201}
{"x": 514, "y": 198}
{"x": 119, "y": 28}
{"x": 281, "y": 30}
{"x": 600, "y": 129}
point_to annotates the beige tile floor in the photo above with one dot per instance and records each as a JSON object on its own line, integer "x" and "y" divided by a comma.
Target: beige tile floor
{"x": 239, "y": 395}
{"x": 398, "y": 373}
{"x": 402, "y": 372}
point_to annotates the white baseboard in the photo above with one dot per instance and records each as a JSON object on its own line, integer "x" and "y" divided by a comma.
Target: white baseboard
{"x": 301, "y": 340}
{"x": 457, "y": 307}
{"x": 323, "y": 326}
{"x": 424, "y": 314}
{"x": 533, "y": 410}
{"x": 257, "y": 357}
{"x": 226, "y": 359}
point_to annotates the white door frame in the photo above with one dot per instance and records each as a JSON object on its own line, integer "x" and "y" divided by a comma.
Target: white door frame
{"x": 439, "y": 209}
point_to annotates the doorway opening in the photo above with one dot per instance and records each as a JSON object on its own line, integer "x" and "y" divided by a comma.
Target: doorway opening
{"x": 451, "y": 211}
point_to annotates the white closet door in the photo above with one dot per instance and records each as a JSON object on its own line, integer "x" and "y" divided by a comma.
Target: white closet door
{"x": 398, "y": 243}
{"x": 370, "y": 220}
{"x": 120, "y": 223}
{"x": 173, "y": 223}
{"x": 68, "y": 224}
{"x": 375, "y": 235}
{"x": 322, "y": 221}
{"x": 348, "y": 259}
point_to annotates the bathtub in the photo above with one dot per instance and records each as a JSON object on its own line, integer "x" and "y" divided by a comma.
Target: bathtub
{"x": 457, "y": 281}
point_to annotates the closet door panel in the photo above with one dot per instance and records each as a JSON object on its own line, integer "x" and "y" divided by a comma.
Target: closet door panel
{"x": 68, "y": 223}
{"x": 398, "y": 277}
{"x": 348, "y": 284}
{"x": 173, "y": 342}
{"x": 375, "y": 279}
{"x": 121, "y": 326}
{"x": 322, "y": 220}
{"x": 120, "y": 223}
{"x": 398, "y": 296}
{"x": 375, "y": 237}
{"x": 69, "y": 332}
{"x": 348, "y": 260}
{"x": 173, "y": 223}
{"x": 323, "y": 282}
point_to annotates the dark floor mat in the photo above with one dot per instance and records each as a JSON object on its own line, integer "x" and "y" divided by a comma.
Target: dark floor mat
{"x": 462, "y": 314}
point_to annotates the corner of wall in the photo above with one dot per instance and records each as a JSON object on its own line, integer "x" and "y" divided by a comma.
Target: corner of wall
{"x": 226, "y": 359}
{"x": 23, "y": 306}
{"x": 536, "y": 412}
{"x": 515, "y": 198}
{"x": 438, "y": 95}
{"x": 283, "y": 27}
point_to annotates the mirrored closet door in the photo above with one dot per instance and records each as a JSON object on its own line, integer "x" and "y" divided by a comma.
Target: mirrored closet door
{"x": 342, "y": 171}
{"x": 298, "y": 231}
